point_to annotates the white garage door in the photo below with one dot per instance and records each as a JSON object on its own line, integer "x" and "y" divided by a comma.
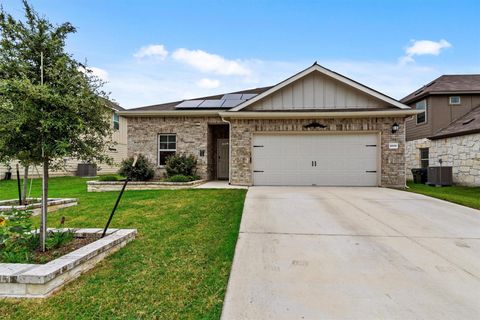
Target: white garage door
{"x": 322, "y": 160}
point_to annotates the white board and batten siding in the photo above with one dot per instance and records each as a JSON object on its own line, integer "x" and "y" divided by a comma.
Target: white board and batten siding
{"x": 317, "y": 91}
{"x": 316, "y": 159}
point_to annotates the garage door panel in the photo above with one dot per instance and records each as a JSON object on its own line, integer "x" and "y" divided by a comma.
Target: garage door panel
{"x": 343, "y": 160}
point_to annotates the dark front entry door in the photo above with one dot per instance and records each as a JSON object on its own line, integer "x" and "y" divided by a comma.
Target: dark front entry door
{"x": 222, "y": 158}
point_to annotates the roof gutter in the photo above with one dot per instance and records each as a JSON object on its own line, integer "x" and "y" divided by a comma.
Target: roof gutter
{"x": 169, "y": 113}
{"x": 310, "y": 115}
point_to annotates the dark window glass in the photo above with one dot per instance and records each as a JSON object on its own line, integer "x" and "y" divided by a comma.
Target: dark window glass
{"x": 424, "y": 157}
{"x": 167, "y": 146}
{"x": 116, "y": 121}
{"x": 421, "y": 117}
{"x": 164, "y": 156}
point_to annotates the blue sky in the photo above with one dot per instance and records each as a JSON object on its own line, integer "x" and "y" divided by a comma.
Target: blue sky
{"x": 158, "y": 51}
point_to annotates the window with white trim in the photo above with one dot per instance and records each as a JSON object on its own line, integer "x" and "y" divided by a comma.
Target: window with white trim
{"x": 167, "y": 146}
{"x": 454, "y": 100}
{"x": 421, "y": 117}
{"x": 116, "y": 121}
{"x": 424, "y": 157}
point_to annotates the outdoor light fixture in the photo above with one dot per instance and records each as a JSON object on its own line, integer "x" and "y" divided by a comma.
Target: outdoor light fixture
{"x": 395, "y": 127}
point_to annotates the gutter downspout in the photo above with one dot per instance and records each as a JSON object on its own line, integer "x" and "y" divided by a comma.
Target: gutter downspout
{"x": 229, "y": 150}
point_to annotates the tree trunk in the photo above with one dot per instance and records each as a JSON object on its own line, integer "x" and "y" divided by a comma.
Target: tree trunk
{"x": 43, "y": 218}
{"x": 25, "y": 184}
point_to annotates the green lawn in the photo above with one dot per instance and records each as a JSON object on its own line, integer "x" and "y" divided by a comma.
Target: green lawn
{"x": 177, "y": 268}
{"x": 467, "y": 196}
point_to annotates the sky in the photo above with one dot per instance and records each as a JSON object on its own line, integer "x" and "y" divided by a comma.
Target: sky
{"x": 151, "y": 52}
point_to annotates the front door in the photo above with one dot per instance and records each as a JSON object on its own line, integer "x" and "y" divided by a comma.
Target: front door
{"x": 222, "y": 158}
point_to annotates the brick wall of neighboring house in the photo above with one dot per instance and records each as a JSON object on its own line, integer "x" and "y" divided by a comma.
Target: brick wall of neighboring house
{"x": 192, "y": 136}
{"x": 462, "y": 153}
{"x": 392, "y": 160}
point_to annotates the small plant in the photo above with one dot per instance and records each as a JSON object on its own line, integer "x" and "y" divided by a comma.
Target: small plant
{"x": 181, "y": 165}
{"x": 57, "y": 239}
{"x": 17, "y": 241}
{"x": 109, "y": 177}
{"x": 142, "y": 171}
{"x": 179, "y": 178}
{"x": 182, "y": 178}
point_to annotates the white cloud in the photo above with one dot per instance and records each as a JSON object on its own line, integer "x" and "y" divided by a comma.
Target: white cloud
{"x": 153, "y": 50}
{"x": 98, "y": 72}
{"x": 208, "y": 83}
{"x": 208, "y": 62}
{"x": 136, "y": 83}
{"x": 424, "y": 47}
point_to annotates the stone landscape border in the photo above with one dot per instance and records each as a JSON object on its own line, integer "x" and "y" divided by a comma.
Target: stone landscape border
{"x": 102, "y": 186}
{"x": 19, "y": 280}
{"x": 53, "y": 204}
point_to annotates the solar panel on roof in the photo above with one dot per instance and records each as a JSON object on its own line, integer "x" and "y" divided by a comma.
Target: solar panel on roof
{"x": 232, "y": 96}
{"x": 211, "y": 104}
{"x": 232, "y": 103}
{"x": 247, "y": 96}
{"x": 189, "y": 104}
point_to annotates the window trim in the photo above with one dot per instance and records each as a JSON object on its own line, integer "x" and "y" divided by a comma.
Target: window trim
{"x": 425, "y": 111}
{"x": 164, "y": 150}
{"x": 117, "y": 121}
{"x": 424, "y": 159}
{"x": 454, "y": 104}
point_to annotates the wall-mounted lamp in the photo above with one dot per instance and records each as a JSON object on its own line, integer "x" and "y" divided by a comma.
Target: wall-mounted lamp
{"x": 395, "y": 127}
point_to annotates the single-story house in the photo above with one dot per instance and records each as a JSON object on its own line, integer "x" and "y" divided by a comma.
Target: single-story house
{"x": 317, "y": 127}
{"x": 446, "y": 131}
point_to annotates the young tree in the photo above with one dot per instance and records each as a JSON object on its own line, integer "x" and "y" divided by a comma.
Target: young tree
{"x": 51, "y": 106}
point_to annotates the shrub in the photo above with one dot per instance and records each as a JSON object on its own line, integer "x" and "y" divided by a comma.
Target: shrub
{"x": 179, "y": 178}
{"x": 108, "y": 177}
{"x": 181, "y": 165}
{"x": 17, "y": 241}
{"x": 142, "y": 171}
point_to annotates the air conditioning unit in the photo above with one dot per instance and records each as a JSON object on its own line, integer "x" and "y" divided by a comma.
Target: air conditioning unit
{"x": 440, "y": 176}
{"x": 86, "y": 170}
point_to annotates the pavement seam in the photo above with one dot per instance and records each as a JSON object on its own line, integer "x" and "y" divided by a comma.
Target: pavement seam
{"x": 356, "y": 235}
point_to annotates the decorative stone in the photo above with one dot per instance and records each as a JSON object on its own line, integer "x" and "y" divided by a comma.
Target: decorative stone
{"x": 462, "y": 153}
{"x": 41, "y": 280}
{"x": 101, "y": 186}
{"x": 36, "y": 205}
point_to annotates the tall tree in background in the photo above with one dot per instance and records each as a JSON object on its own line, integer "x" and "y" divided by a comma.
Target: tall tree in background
{"x": 51, "y": 106}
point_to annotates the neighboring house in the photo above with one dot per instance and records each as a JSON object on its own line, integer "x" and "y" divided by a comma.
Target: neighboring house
{"x": 117, "y": 151}
{"x": 315, "y": 128}
{"x": 448, "y": 128}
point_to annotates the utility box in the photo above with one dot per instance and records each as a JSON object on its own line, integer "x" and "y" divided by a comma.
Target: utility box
{"x": 86, "y": 170}
{"x": 440, "y": 176}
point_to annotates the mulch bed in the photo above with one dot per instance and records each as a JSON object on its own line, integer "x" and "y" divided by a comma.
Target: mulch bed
{"x": 52, "y": 254}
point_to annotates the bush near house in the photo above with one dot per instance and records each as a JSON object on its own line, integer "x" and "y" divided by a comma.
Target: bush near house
{"x": 181, "y": 165}
{"x": 143, "y": 170}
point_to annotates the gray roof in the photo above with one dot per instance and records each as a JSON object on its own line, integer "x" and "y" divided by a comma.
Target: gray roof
{"x": 463, "y": 83}
{"x": 172, "y": 105}
{"x": 468, "y": 124}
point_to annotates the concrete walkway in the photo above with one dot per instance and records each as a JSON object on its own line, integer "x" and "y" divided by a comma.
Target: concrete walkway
{"x": 219, "y": 184}
{"x": 354, "y": 253}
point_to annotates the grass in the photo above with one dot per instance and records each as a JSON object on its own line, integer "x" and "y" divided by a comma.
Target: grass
{"x": 177, "y": 268}
{"x": 467, "y": 196}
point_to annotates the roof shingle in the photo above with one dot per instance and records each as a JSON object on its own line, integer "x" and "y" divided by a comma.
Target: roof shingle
{"x": 446, "y": 84}
{"x": 468, "y": 124}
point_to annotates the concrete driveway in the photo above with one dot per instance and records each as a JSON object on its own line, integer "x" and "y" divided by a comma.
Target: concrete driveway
{"x": 354, "y": 253}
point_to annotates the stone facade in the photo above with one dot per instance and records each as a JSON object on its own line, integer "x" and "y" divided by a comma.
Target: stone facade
{"x": 462, "y": 153}
{"x": 392, "y": 160}
{"x": 192, "y": 137}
